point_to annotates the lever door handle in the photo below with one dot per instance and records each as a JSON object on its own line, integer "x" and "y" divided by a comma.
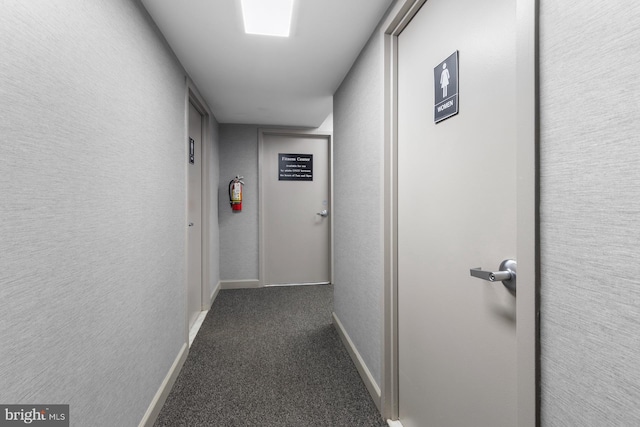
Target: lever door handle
{"x": 491, "y": 276}
{"x": 323, "y": 214}
{"x": 506, "y": 274}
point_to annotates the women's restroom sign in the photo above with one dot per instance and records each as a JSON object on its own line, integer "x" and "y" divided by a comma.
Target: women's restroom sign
{"x": 445, "y": 79}
{"x": 295, "y": 167}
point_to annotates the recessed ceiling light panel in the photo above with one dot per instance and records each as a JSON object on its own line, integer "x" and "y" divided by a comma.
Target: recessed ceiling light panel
{"x": 267, "y": 17}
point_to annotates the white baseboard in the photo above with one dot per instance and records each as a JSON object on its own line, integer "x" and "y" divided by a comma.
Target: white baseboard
{"x": 203, "y": 314}
{"x": 195, "y": 328}
{"x": 394, "y": 423}
{"x": 365, "y": 374}
{"x": 239, "y": 284}
{"x": 165, "y": 388}
{"x": 214, "y": 294}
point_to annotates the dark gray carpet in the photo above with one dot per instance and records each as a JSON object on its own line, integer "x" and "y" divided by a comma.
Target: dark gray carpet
{"x": 269, "y": 357}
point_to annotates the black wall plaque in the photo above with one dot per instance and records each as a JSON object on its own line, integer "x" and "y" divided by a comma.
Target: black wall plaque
{"x": 295, "y": 167}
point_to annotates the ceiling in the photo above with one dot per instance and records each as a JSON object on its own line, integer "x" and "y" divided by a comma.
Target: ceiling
{"x": 266, "y": 80}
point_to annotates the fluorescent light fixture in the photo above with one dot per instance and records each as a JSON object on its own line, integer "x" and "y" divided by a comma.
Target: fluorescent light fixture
{"x": 267, "y": 17}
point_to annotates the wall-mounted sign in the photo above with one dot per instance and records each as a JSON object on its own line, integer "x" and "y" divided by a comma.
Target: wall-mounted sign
{"x": 192, "y": 151}
{"x": 295, "y": 167}
{"x": 445, "y": 79}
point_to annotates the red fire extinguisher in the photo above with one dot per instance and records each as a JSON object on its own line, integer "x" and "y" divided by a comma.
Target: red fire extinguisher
{"x": 235, "y": 193}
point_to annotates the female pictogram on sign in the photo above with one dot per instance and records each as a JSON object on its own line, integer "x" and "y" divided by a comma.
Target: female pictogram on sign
{"x": 444, "y": 80}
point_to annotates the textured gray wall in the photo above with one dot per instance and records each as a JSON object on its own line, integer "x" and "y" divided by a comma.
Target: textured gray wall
{"x": 239, "y": 230}
{"x": 214, "y": 232}
{"x": 92, "y": 219}
{"x": 590, "y": 206}
{"x": 358, "y": 109}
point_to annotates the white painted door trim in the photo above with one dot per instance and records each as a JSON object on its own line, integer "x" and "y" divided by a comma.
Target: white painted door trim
{"x": 193, "y": 96}
{"x": 527, "y": 202}
{"x": 261, "y": 200}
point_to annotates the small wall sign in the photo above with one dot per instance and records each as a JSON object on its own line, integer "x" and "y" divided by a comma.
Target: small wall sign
{"x": 295, "y": 167}
{"x": 445, "y": 79}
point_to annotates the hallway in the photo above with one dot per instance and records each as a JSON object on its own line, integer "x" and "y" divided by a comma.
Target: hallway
{"x": 94, "y": 227}
{"x": 269, "y": 357}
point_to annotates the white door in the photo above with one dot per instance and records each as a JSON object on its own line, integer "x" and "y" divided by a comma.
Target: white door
{"x": 194, "y": 217}
{"x": 457, "y": 211}
{"x": 295, "y": 208}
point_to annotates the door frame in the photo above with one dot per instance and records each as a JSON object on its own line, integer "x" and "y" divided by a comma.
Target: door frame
{"x": 528, "y": 252}
{"x": 261, "y": 199}
{"x": 193, "y": 96}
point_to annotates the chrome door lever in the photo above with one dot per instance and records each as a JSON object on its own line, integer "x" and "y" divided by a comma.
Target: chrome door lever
{"x": 506, "y": 275}
{"x": 491, "y": 276}
{"x": 324, "y": 213}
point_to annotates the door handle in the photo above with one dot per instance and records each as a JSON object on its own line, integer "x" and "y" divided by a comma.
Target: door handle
{"x": 190, "y": 224}
{"x": 491, "y": 276}
{"x": 506, "y": 274}
{"x": 324, "y": 213}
